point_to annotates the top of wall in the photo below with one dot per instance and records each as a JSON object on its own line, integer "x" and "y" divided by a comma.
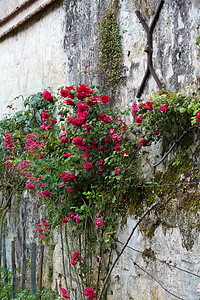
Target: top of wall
{"x": 14, "y": 13}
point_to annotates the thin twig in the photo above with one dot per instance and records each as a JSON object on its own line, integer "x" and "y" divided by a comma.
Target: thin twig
{"x": 63, "y": 258}
{"x": 170, "y": 265}
{"x": 166, "y": 290}
{"x": 125, "y": 245}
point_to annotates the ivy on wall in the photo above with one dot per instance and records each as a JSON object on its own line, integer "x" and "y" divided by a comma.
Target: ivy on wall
{"x": 110, "y": 47}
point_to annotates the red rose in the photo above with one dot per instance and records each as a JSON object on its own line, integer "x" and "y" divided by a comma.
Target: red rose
{"x": 64, "y": 93}
{"x": 198, "y": 117}
{"x": 69, "y": 191}
{"x": 142, "y": 142}
{"x": 45, "y": 193}
{"x": 69, "y": 102}
{"x": 75, "y": 255}
{"x": 139, "y": 120}
{"x": 105, "y": 99}
{"x": 46, "y": 95}
{"x": 53, "y": 121}
{"x": 87, "y": 166}
{"x": 64, "y": 220}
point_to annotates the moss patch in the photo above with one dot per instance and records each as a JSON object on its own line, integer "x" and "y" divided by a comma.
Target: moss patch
{"x": 177, "y": 186}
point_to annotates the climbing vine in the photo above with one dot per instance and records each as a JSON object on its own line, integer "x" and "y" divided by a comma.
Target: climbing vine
{"x": 110, "y": 47}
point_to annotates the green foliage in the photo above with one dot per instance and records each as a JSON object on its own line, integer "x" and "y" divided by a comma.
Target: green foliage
{"x": 172, "y": 114}
{"x": 6, "y": 291}
{"x": 110, "y": 48}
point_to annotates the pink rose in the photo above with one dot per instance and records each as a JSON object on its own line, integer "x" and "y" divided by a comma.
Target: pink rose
{"x": 75, "y": 256}
{"x": 164, "y": 107}
{"x": 135, "y": 109}
{"x": 99, "y": 223}
{"x": 117, "y": 171}
{"x": 72, "y": 262}
{"x": 65, "y": 294}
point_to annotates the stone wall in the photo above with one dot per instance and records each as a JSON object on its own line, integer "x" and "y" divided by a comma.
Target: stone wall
{"x": 59, "y": 46}
{"x": 32, "y": 57}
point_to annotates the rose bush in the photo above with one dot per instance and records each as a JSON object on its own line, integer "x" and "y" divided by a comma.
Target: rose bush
{"x": 81, "y": 160}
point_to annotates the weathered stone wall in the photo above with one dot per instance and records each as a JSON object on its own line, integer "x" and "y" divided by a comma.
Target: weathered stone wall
{"x": 54, "y": 48}
{"x": 32, "y": 57}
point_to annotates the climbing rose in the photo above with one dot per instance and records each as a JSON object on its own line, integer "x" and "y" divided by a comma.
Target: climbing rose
{"x": 142, "y": 142}
{"x": 45, "y": 115}
{"x": 70, "y": 215}
{"x": 149, "y": 105}
{"x": 135, "y": 109}
{"x": 101, "y": 171}
{"x": 69, "y": 102}
{"x": 65, "y": 294}
{"x": 30, "y": 186}
{"x": 42, "y": 185}
{"x": 117, "y": 148}
{"x": 101, "y": 162}
{"x": 139, "y": 120}
{"x": 53, "y": 121}
{"x": 87, "y": 127}
{"x": 75, "y": 256}
{"x": 87, "y": 166}
{"x": 64, "y": 93}
{"x": 68, "y": 178}
{"x": 64, "y": 220}
{"x": 63, "y": 139}
{"x": 90, "y": 293}
{"x": 76, "y": 217}
{"x": 116, "y": 171}
{"x": 45, "y": 193}
{"x": 69, "y": 191}
{"x": 46, "y": 95}
{"x": 44, "y": 222}
{"x": 105, "y": 99}
{"x": 68, "y": 155}
{"x": 72, "y": 262}
{"x": 198, "y": 117}
{"x": 164, "y": 107}
{"x": 99, "y": 223}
